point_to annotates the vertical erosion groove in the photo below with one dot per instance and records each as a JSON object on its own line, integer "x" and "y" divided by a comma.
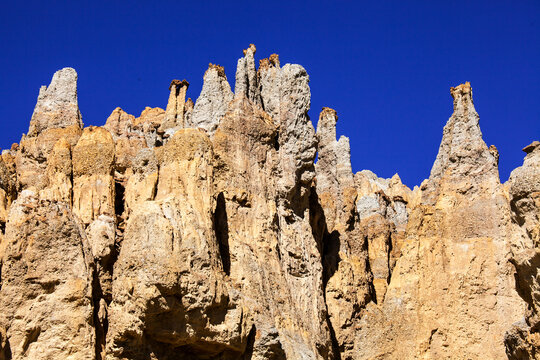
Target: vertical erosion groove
{"x": 119, "y": 209}
{"x": 389, "y": 257}
{"x": 328, "y": 246}
{"x": 248, "y": 354}
{"x": 221, "y": 229}
{"x": 99, "y": 327}
{"x": 119, "y": 190}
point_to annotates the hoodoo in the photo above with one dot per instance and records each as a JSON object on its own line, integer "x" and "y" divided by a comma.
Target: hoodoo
{"x": 209, "y": 230}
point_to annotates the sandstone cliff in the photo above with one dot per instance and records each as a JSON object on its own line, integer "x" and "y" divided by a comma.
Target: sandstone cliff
{"x": 209, "y": 230}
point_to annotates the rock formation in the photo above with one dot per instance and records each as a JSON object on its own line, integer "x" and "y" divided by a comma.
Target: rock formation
{"x": 174, "y": 114}
{"x": 452, "y": 290}
{"x": 213, "y": 101}
{"x": 523, "y": 340}
{"x": 210, "y": 231}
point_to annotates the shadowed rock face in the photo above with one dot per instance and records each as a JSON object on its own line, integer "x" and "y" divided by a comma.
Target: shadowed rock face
{"x": 209, "y": 231}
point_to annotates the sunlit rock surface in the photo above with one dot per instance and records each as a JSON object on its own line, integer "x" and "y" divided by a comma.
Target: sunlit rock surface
{"x": 209, "y": 230}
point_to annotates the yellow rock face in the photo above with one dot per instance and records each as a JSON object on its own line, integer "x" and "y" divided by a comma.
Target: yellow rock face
{"x": 93, "y": 182}
{"x": 209, "y": 231}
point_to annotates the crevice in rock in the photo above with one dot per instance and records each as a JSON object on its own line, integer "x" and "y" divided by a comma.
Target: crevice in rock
{"x": 371, "y": 287}
{"x": 71, "y": 180}
{"x": 119, "y": 190}
{"x": 156, "y": 185}
{"x": 335, "y": 344}
{"x": 248, "y": 353}
{"x": 389, "y": 257}
{"x": 276, "y": 141}
{"x": 331, "y": 244}
{"x": 5, "y": 353}
{"x": 100, "y": 327}
{"x": 221, "y": 229}
{"x": 119, "y": 209}
{"x": 328, "y": 246}
{"x": 2, "y": 227}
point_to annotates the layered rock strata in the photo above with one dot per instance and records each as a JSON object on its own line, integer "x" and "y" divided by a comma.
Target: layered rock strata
{"x": 210, "y": 231}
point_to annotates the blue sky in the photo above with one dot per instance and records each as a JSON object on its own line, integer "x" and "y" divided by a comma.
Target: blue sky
{"x": 385, "y": 66}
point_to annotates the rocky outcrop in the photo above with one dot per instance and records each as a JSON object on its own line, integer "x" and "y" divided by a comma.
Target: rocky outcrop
{"x": 347, "y": 277}
{"x": 452, "y": 290}
{"x": 213, "y": 101}
{"x": 270, "y": 254}
{"x": 57, "y": 105}
{"x": 8, "y": 186}
{"x": 230, "y": 229}
{"x": 174, "y": 114}
{"x": 523, "y": 340}
{"x": 93, "y": 182}
{"x": 383, "y": 206}
{"x": 169, "y": 294}
{"x": 46, "y": 295}
{"x": 55, "y": 116}
{"x": 247, "y": 83}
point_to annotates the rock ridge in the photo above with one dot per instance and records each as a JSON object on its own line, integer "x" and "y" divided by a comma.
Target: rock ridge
{"x": 231, "y": 228}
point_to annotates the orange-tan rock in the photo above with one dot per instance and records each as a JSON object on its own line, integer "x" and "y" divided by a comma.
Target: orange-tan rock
{"x": 210, "y": 231}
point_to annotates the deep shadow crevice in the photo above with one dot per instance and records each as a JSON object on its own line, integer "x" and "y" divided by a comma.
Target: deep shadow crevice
{"x": 328, "y": 245}
{"x": 119, "y": 191}
{"x": 221, "y": 229}
{"x": 100, "y": 327}
{"x": 248, "y": 353}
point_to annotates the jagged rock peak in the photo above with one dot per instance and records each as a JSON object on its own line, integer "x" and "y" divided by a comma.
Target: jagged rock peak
{"x": 213, "y": 101}
{"x": 327, "y": 157}
{"x": 174, "y": 114}
{"x": 57, "y": 105}
{"x": 273, "y": 60}
{"x": 334, "y": 161}
{"x": 462, "y": 152}
{"x": 220, "y": 69}
{"x": 251, "y": 49}
{"x": 178, "y": 84}
{"x": 246, "y": 76}
{"x": 326, "y": 127}
{"x": 462, "y": 95}
{"x": 326, "y": 136}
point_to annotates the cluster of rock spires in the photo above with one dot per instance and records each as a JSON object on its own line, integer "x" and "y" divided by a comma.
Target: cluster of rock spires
{"x": 208, "y": 231}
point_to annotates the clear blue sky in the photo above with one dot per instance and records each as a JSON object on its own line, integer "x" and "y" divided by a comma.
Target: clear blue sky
{"x": 385, "y": 66}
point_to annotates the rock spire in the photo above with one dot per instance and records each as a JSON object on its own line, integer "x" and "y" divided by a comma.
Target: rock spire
{"x": 174, "y": 114}
{"x": 231, "y": 229}
{"x": 57, "y": 105}
{"x": 213, "y": 101}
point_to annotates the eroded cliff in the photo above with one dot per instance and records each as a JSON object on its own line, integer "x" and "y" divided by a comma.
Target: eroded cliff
{"x": 209, "y": 230}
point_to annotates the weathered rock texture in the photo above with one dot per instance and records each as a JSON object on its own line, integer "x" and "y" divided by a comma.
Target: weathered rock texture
{"x": 209, "y": 231}
{"x": 523, "y": 340}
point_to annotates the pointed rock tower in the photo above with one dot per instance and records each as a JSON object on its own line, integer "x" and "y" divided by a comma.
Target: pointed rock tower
{"x": 55, "y": 116}
{"x": 452, "y": 291}
{"x": 213, "y": 101}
